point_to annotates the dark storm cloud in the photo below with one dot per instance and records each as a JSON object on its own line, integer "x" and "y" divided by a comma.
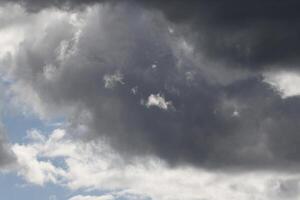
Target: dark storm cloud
{"x": 236, "y": 123}
{"x": 247, "y": 34}
{"x": 252, "y": 34}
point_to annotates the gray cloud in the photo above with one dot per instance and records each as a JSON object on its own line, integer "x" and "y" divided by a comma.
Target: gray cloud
{"x": 252, "y": 34}
{"x": 36, "y": 5}
{"x": 248, "y": 34}
{"x": 7, "y": 158}
{"x": 240, "y": 122}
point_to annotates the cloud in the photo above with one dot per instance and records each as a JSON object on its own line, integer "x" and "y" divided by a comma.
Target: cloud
{"x": 217, "y": 86}
{"x": 223, "y": 117}
{"x": 104, "y": 197}
{"x": 251, "y": 35}
{"x": 112, "y": 80}
{"x": 285, "y": 82}
{"x": 158, "y": 101}
{"x": 36, "y": 5}
{"x": 33, "y": 169}
{"x": 95, "y": 167}
{"x": 7, "y": 158}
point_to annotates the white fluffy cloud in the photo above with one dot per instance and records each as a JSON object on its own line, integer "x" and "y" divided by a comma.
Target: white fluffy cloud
{"x": 33, "y": 169}
{"x": 159, "y": 101}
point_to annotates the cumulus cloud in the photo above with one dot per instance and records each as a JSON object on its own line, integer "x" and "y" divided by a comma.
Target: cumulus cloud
{"x": 162, "y": 100}
{"x": 94, "y": 67}
{"x": 250, "y": 35}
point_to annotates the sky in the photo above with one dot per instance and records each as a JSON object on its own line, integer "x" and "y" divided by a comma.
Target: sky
{"x": 149, "y": 100}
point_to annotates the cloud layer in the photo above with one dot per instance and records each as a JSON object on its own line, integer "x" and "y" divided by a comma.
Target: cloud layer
{"x": 249, "y": 34}
{"x": 163, "y": 100}
{"x": 130, "y": 76}
{"x": 93, "y": 166}
{"x": 252, "y": 34}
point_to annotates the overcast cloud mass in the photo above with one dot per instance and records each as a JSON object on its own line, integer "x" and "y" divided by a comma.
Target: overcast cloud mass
{"x": 197, "y": 85}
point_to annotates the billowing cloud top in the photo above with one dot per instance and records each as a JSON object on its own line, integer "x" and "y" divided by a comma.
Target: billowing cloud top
{"x": 189, "y": 82}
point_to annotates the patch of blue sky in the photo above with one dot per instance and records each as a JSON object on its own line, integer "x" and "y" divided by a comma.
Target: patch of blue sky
{"x": 14, "y": 187}
{"x": 17, "y": 125}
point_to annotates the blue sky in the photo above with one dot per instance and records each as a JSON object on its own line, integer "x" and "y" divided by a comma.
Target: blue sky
{"x": 14, "y": 188}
